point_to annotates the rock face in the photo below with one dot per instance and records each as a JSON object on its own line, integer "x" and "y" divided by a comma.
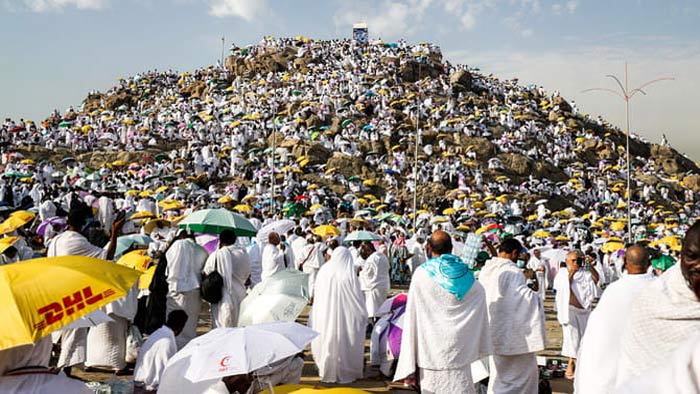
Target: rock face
{"x": 562, "y": 104}
{"x": 692, "y": 182}
{"x": 461, "y": 81}
{"x": 670, "y": 161}
{"x": 277, "y": 61}
{"x": 349, "y": 166}
{"x": 115, "y": 101}
{"x": 411, "y": 71}
{"x": 515, "y": 164}
{"x": 195, "y": 90}
{"x": 483, "y": 148}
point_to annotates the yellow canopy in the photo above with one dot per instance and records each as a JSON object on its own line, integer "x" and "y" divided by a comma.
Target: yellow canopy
{"x": 7, "y": 242}
{"x": 136, "y": 259}
{"x": 612, "y": 246}
{"x": 243, "y": 208}
{"x": 541, "y": 234}
{"x": 43, "y": 295}
{"x": 142, "y": 215}
{"x": 225, "y": 200}
{"x": 449, "y": 211}
{"x": 326, "y": 231}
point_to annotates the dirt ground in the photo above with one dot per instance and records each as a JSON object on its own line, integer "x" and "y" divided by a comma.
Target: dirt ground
{"x": 374, "y": 381}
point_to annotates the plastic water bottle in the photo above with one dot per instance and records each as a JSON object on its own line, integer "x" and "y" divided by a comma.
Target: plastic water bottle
{"x": 472, "y": 247}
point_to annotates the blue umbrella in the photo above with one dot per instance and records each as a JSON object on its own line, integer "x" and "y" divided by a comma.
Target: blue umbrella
{"x": 368, "y": 127}
{"x": 126, "y": 241}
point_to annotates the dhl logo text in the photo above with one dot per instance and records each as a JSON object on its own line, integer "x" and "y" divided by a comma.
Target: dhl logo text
{"x": 69, "y": 305}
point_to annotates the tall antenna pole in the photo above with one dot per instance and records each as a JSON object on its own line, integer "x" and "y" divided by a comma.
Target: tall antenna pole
{"x": 415, "y": 157}
{"x": 625, "y": 94}
{"x": 223, "y": 45}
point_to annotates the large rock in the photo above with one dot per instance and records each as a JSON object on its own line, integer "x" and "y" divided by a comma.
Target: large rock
{"x": 92, "y": 102}
{"x": 484, "y": 148}
{"x": 515, "y": 164}
{"x": 316, "y": 152}
{"x": 412, "y": 71}
{"x": 651, "y": 180}
{"x": 196, "y": 89}
{"x": 692, "y": 182}
{"x": 461, "y": 81}
{"x": 546, "y": 170}
{"x": 349, "y": 166}
{"x": 114, "y": 101}
{"x": 672, "y": 162}
{"x": 562, "y": 104}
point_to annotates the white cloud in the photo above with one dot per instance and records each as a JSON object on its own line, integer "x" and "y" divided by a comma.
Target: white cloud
{"x": 244, "y": 9}
{"x": 57, "y": 5}
{"x": 468, "y": 20}
{"x": 390, "y": 19}
{"x": 568, "y": 6}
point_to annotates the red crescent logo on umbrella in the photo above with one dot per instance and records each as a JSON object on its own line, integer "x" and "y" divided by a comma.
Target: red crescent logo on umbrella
{"x": 224, "y": 361}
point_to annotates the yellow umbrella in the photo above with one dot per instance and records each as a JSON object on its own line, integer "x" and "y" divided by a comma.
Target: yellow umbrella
{"x": 142, "y": 215}
{"x": 243, "y": 208}
{"x": 43, "y": 295}
{"x": 132, "y": 192}
{"x": 478, "y": 205}
{"x": 617, "y": 226}
{"x": 146, "y": 193}
{"x": 136, "y": 259}
{"x": 119, "y": 163}
{"x": 27, "y": 161}
{"x": 612, "y": 246}
{"x": 369, "y": 182}
{"x": 423, "y": 212}
{"x": 370, "y": 196}
{"x": 7, "y": 242}
{"x": 25, "y": 216}
{"x": 307, "y": 389}
{"x": 541, "y": 234}
{"x": 326, "y": 231}
{"x": 312, "y": 186}
{"x": 13, "y": 223}
{"x": 315, "y": 207}
{"x": 146, "y": 278}
{"x": 561, "y": 238}
{"x": 171, "y": 205}
{"x": 153, "y": 223}
{"x": 225, "y": 200}
{"x": 162, "y": 189}
{"x": 449, "y": 211}
{"x": 380, "y": 207}
{"x": 249, "y": 197}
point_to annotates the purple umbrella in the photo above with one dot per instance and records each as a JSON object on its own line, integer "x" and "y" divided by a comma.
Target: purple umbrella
{"x": 59, "y": 223}
{"x": 208, "y": 241}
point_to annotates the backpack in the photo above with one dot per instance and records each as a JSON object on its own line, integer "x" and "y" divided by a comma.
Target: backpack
{"x": 212, "y": 286}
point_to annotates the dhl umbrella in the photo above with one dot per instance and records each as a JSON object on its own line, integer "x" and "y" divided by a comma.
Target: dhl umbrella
{"x": 136, "y": 259}
{"x": 14, "y": 222}
{"x": 46, "y": 294}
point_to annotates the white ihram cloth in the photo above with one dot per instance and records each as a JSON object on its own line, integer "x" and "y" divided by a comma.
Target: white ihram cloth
{"x": 43, "y": 382}
{"x": 516, "y": 321}
{"x": 535, "y": 264}
{"x": 74, "y": 341}
{"x": 311, "y": 262}
{"x": 678, "y": 374}
{"x": 573, "y": 320}
{"x": 442, "y": 335}
{"x": 233, "y": 265}
{"x": 183, "y": 273}
{"x": 272, "y": 261}
{"x": 663, "y": 316}
{"x": 106, "y": 342}
{"x": 298, "y": 246}
{"x": 374, "y": 281}
{"x": 596, "y": 366}
{"x": 340, "y": 316}
{"x": 105, "y": 212}
{"x": 153, "y": 356}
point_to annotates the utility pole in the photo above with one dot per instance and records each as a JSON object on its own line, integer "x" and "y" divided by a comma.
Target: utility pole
{"x": 626, "y": 95}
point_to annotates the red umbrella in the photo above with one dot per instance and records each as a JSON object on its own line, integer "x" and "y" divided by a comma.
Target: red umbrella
{"x": 299, "y": 198}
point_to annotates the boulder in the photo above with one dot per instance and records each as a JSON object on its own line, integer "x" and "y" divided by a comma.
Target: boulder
{"x": 692, "y": 182}
{"x": 651, "y": 180}
{"x": 515, "y": 164}
{"x": 349, "y": 166}
{"x": 484, "y": 148}
{"x": 316, "y": 152}
{"x": 461, "y": 81}
{"x": 114, "y": 101}
{"x": 546, "y": 170}
{"x": 562, "y": 104}
{"x": 196, "y": 89}
{"x": 390, "y": 60}
{"x": 92, "y": 102}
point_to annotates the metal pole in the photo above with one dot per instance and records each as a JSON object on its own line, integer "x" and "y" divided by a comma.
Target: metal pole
{"x": 415, "y": 159}
{"x": 223, "y": 44}
{"x": 629, "y": 173}
{"x": 272, "y": 168}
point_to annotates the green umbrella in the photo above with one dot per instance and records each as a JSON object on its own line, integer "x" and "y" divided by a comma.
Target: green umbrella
{"x": 214, "y": 221}
{"x": 354, "y": 178}
{"x": 64, "y": 124}
{"x": 315, "y": 135}
{"x": 295, "y": 92}
{"x": 295, "y": 210}
{"x": 161, "y": 156}
{"x": 663, "y": 262}
{"x": 346, "y": 123}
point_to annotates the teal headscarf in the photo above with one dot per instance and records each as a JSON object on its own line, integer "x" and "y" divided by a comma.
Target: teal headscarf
{"x": 450, "y": 273}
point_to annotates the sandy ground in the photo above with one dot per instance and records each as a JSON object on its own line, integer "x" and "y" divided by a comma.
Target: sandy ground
{"x": 374, "y": 381}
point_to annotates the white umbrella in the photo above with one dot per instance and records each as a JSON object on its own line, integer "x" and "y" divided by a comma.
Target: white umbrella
{"x": 279, "y": 226}
{"x": 281, "y": 297}
{"x": 235, "y": 351}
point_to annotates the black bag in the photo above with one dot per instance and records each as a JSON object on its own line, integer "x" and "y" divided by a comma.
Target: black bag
{"x": 212, "y": 286}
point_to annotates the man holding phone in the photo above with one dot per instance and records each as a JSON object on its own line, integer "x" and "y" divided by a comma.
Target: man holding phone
{"x": 576, "y": 288}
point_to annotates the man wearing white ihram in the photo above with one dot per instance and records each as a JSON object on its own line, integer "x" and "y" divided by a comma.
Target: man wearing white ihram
{"x": 340, "y": 317}
{"x": 596, "y": 366}
{"x": 184, "y": 271}
{"x": 374, "y": 278}
{"x": 232, "y": 263}
{"x": 516, "y": 319}
{"x": 576, "y": 289}
{"x": 445, "y": 325}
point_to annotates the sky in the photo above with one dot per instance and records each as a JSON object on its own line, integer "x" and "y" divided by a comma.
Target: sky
{"x": 55, "y": 51}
